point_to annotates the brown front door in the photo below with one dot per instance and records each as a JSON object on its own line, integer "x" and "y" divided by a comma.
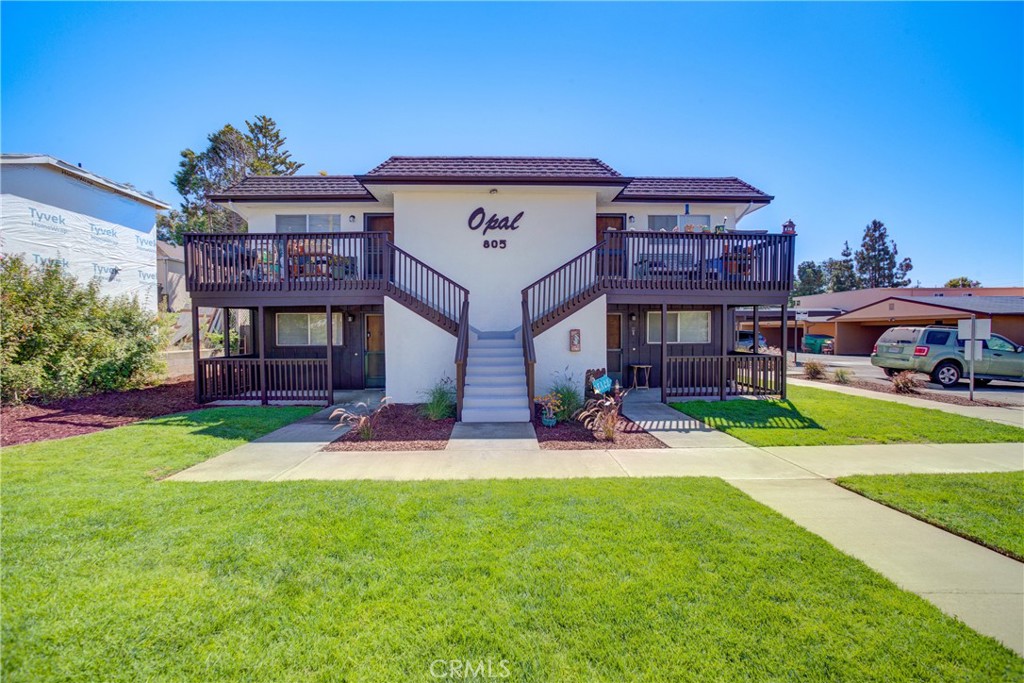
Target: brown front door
{"x": 614, "y": 345}
{"x": 374, "y": 352}
{"x": 614, "y": 249}
{"x": 375, "y": 256}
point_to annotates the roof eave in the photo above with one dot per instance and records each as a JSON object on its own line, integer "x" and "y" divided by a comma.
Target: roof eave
{"x": 219, "y": 198}
{"x": 496, "y": 180}
{"x": 764, "y": 199}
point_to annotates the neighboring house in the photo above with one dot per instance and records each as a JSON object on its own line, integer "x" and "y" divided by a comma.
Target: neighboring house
{"x": 170, "y": 276}
{"x": 99, "y": 229}
{"x": 497, "y": 272}
{"x": 857, "y": 318}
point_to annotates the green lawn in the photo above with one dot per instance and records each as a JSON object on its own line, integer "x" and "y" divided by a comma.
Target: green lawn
{"x": 111, "y": 575}
{"x": 987, "y": 507}
{"x": 818, "y": 417}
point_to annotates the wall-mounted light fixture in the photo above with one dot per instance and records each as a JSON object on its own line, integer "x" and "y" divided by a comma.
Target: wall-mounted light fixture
{"x": 632, "y": 317}
{"x": 352, "y": 218}
{"x": 686, "y": 209}
{"x": 494, "y": 190}
{"x": 632, "y": 220}
{"x": 350, "y": 318}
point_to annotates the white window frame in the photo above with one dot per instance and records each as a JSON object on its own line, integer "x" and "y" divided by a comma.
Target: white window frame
{"x": 338, "y": 331}
{"x": 306, "y": 216}
{"x": 681, "y": 220}
{"x": 679, "y": 316}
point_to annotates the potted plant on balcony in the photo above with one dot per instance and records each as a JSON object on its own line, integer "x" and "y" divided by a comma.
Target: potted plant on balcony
{"x": 549, "y": 405}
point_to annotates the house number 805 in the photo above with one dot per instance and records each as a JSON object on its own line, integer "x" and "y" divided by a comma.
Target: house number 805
{"x": 494, "y": 244}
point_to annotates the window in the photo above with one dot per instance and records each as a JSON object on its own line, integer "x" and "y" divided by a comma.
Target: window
{"x": 684, "y": 327}
{"x": 1000, "y": 344}
{"x": 308, "y": 329}
{"x": 677, "y": 223}
{"x": 315, "y": 222}
{"x": 937, "y": 338}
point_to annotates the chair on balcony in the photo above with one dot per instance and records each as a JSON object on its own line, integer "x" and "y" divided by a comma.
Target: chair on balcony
{"x": 665, "y": 266}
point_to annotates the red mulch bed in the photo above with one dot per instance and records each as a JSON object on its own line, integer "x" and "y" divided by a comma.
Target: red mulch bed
{"x": 573, "y": 436}
{"x": 74, "y": 416}
{"x": 400, "y": 427}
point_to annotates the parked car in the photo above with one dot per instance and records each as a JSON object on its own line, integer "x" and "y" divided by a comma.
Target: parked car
{"x": 935, "y": 350}
{"x": 815, "y": 343}
{"x": 745, "y": 340}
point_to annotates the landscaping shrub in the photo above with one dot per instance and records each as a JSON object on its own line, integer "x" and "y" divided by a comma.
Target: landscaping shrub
{"x": 601, "y": 415}
{"x": 841, "y": 376}
{"x": 814, "y": 369}
{"x": 360, "y": 417}
{"x": 905, "y": 382}
{"x": 440, "y": 403}
{"x": 60, "y": 338}
{"x": 570, "y": 399}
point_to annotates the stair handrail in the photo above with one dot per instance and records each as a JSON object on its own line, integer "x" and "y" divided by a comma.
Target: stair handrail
{"x": 547, "y": 293}
{"x": 409, "y": 276}
{"x": 461, "y": 357}
{"x": 529, "y": 352}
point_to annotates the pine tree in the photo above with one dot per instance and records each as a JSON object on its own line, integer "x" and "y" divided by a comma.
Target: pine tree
{"x": 840, "y": 274}
{"x": 810, "y": 279}
{"x": 876, "y": 260}
{"x": 271, "y": 157}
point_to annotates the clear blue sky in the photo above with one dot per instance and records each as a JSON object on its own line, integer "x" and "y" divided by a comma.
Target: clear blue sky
{"x": 909, "y": 113}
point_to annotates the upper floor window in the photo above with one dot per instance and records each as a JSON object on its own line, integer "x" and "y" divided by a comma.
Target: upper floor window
{"x": 677, "y": 223}
{"x": 313, "y": 222}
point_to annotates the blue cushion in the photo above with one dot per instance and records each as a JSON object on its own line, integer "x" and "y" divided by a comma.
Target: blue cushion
{"x": 602, "y": 384}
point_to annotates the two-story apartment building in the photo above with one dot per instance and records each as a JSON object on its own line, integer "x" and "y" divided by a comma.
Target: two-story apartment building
{"x": 497, "y": 272}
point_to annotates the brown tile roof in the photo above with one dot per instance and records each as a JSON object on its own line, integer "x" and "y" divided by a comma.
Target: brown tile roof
{"x": 493, "y": 169}
{"x": 680, "y": 189}
{"x": 296, "y": 188}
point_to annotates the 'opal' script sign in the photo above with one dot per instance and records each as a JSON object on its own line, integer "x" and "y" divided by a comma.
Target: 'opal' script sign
{"x": 478, "y": 220}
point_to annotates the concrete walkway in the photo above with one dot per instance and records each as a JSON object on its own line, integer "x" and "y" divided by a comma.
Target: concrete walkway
{"x": 672, "y": 428}
{"x": 982, "y": 588}
{"x": 1010, "y": 415}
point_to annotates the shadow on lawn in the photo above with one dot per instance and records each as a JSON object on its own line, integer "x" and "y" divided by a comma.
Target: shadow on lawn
{"x": 754, "y": 415}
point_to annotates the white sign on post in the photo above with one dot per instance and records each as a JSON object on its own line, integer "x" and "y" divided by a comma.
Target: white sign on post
{"x": 973, "y": 349}
{"x": 982, "y": 328}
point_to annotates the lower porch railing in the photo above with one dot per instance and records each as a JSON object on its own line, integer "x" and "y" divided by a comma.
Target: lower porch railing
{"x": 244, "y": 379}
{"x": 740, "y": 375}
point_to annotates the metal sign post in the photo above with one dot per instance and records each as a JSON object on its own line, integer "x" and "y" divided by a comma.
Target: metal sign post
{"x": 974, "y": 332}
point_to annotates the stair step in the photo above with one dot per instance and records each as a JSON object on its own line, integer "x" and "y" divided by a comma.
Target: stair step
{"x": 517, "y": 388}
{"x": 492, "y": 370}
{"x": 495, "y": 414}
{"x": 496, "y": 381}
{"x": 495, "y": 352}
{"x": 497, "y": 362}
{"x": 513, "y": 401}
{"x": 496, "y": 344}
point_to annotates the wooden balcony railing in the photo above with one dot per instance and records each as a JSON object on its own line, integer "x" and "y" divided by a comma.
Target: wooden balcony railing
{"x": 461, "y": 358}
{"x": 742, "y": 374}
{"x": 243, "y": 379}
{"x": 321, "y": 262}
{"x": 663, "y": 261}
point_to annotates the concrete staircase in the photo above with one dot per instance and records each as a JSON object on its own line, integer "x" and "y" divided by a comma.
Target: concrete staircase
{"x": 495, "y": 381}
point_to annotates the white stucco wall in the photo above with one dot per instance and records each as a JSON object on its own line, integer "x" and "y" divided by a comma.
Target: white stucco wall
{"x": 262, "y": 217}
{"x": 552, "y": 346}
{"x": 555, "y": 227}
{"x": 417, "y": 353}
{"x": 717, "y": 212}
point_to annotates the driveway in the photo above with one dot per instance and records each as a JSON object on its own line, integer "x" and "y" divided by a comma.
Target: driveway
{"x": 1004, "y": 392}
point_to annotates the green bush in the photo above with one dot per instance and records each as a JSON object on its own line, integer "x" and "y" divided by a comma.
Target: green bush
{"x": 841, "y": 376}
{"x": 60, "y": 338}
{"x": 570, "y": 397}
{"x": 814, "y": 369}
{"x": 440, "y": 402}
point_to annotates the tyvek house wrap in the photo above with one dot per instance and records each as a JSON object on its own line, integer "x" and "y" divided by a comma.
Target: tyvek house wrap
{"x": 122, "y": 259}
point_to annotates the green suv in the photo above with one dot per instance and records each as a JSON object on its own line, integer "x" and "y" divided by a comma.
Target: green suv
{"x": 936, "y": 351}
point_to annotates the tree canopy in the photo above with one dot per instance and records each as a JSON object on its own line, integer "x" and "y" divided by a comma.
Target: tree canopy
{"x": 229, "y": 157}
{"x": 961, "y": 282}
{"x": 876, "y": 260}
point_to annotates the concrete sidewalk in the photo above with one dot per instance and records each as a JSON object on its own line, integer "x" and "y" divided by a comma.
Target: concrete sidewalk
{"x": 1010, "y": 415}
{"x": 982, "y": 588}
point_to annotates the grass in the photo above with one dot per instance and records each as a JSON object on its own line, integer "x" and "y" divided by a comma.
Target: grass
{"x": 818, "y": 417}
{"x": 109, "y": 574}
{"x": 986, "y": 507}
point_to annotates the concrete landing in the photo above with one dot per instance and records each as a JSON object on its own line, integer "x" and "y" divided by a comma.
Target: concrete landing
{"x": 673, "y": 428}
{"x": 493, "y": 436}
{"x": 982, "y": 588}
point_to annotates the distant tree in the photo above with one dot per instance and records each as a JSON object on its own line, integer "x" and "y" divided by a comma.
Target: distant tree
{"x": 229, "y": 157}
{"x": 962, "y": 281}
{"x": 876, "y": 260}
{"x": 840, "y": 274}
{"x": 268, "y": 143}
{"x": 810, "y": 279}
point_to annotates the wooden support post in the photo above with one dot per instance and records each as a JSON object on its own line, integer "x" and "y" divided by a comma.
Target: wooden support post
{"x": 330, "y": 356}
{"x": 197, "y": 373}
{"x": 226, "y": 328}
{"x": 757, "y": 331}
{"x": 722, "y": 346}
{"x": 784, "y": 328}
{"x": 262, "y": 324}
{"x": 664, "y": 353}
